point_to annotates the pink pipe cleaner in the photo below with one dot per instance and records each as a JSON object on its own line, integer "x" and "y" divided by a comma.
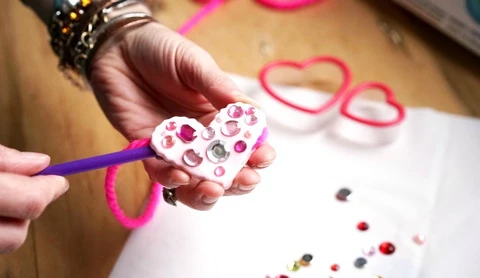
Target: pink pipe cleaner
{"x": 287, "y": 5}
{"x": 205, "y": 11}
{"x": 112, "y": 196}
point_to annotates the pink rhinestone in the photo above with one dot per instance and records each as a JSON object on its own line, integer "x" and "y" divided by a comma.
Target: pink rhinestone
{"x": 230, "y": 128}
{"x": 419, "y": 239}
{"x": 247, "y": 134}
{"x": 250, "y": 111}
{"x": 171, "y": 126}
{"x": 240, "y": 146}
{"x": 219, "y": 171}
{"x": 163, "y": 133}
{"x": 218, "y": 119}
{"x": 369, "y": 251}
{"x": 192, "y": 158}
{"x": 208, "y": 133}
{"x": 251, "y": 120}
{"x": 168, "y": 141}
{"x": 187, "y": 133}
{"x": 235, "y": 111}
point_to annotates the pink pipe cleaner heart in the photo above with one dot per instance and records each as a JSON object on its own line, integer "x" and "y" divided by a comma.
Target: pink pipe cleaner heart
{"x": 347, "y": 77}
{"x": 217, "y": 152}
{"x": 390, "y": 100}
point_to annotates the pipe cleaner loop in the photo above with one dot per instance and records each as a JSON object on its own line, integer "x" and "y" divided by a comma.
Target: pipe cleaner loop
{"x": 111, "y": 195}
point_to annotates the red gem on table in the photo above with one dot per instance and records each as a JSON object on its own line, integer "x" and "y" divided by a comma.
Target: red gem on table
{"x": 335, "y": 267}
{"x": 282, "y": 276}
{"x": 362, "y": 226}
{"x": 387, "y": 248}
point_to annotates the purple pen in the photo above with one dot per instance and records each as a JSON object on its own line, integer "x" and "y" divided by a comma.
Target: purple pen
{"x": 98, "y": 162}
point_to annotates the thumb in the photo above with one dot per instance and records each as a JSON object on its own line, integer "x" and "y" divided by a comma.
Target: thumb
{"x": 215, "y": 85}
{"x": 23, "y": 163}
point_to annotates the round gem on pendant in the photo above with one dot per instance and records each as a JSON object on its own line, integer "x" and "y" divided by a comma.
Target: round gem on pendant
{"x": 219, "y": 171}
{"x": 251, "y": 119}
{"x": 168, "y": 141}
{"x": 387, "y": 248}
{"x": 334, "y": 267}
{"x": 240, "y": 146}
{"x": 230, "y": 128}
{"x": 360, "y": 262}
{"x": 192, "y": 158}
{"x": 171, "y": 126}
{"x": 250, "y": 111}
{"x": 362, "y": 226}
{"x": 235, "y": 111}
{"x": 208, "y": 133}
{"x": 216, "y": 152}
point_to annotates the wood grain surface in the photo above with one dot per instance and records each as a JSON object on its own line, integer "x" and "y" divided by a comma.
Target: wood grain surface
{"x": 40, "y": 111}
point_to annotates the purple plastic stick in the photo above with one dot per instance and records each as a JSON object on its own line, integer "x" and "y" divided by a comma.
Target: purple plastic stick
{"x": 98, "y": 162}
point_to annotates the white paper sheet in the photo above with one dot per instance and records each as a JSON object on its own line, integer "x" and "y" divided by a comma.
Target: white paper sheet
{"x": 427, "y": 181}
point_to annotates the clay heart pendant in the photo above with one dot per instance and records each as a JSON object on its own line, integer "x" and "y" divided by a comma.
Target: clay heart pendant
{"x": 390, "y": 100}
{"x": 216, "y": 152}
{"x": 347, "y": 76}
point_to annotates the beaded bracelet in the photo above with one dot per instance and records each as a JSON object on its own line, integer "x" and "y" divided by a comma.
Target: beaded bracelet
{"x": 79, "y": 25}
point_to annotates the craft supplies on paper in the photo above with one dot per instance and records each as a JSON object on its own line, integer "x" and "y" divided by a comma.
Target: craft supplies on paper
{"x": 312, "y": 199}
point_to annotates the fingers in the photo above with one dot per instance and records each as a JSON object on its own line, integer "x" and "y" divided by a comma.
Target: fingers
{"x": 245, "y": 182}
{"x": 201, "y": 196}
{"x": 13, "y": 233}
{"x": 27, "y": 197}
{"x": 25, "y": 163}
{"x": 202, "y": 74}
{"x": 262, "y": 157}
{"x": 165, "y": 174}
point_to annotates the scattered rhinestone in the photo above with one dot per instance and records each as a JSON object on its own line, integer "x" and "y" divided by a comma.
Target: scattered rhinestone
{"x": 293, "y": 266}
{"x": 362, "y": 226}
{"x": 387, "y": 248}
{"x": 368, "y": 251}
{"x": 344, "y": 194}
{"x": 334, "y": 267}
{"x": 360, "y": 263}
{"x": 419, "y": 239}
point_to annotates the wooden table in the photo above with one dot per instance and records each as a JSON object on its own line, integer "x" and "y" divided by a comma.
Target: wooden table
{"x": 41, "y": 111}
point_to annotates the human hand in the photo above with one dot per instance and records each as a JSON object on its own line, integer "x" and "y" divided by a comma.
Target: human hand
{"x": 150, "y": 74}
{"x": 23, "y": 198}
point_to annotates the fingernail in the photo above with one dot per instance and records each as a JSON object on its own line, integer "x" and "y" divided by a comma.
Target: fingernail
{"x": 246, "y": 187}
{"x": 209, "y": 200}
{"x": 177, "y": 183}
{"x": 241, "y": 97}
{"x": 34, "y": 156}
{"x": 264, "y": 165}
{"x": 65, "y": 189}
